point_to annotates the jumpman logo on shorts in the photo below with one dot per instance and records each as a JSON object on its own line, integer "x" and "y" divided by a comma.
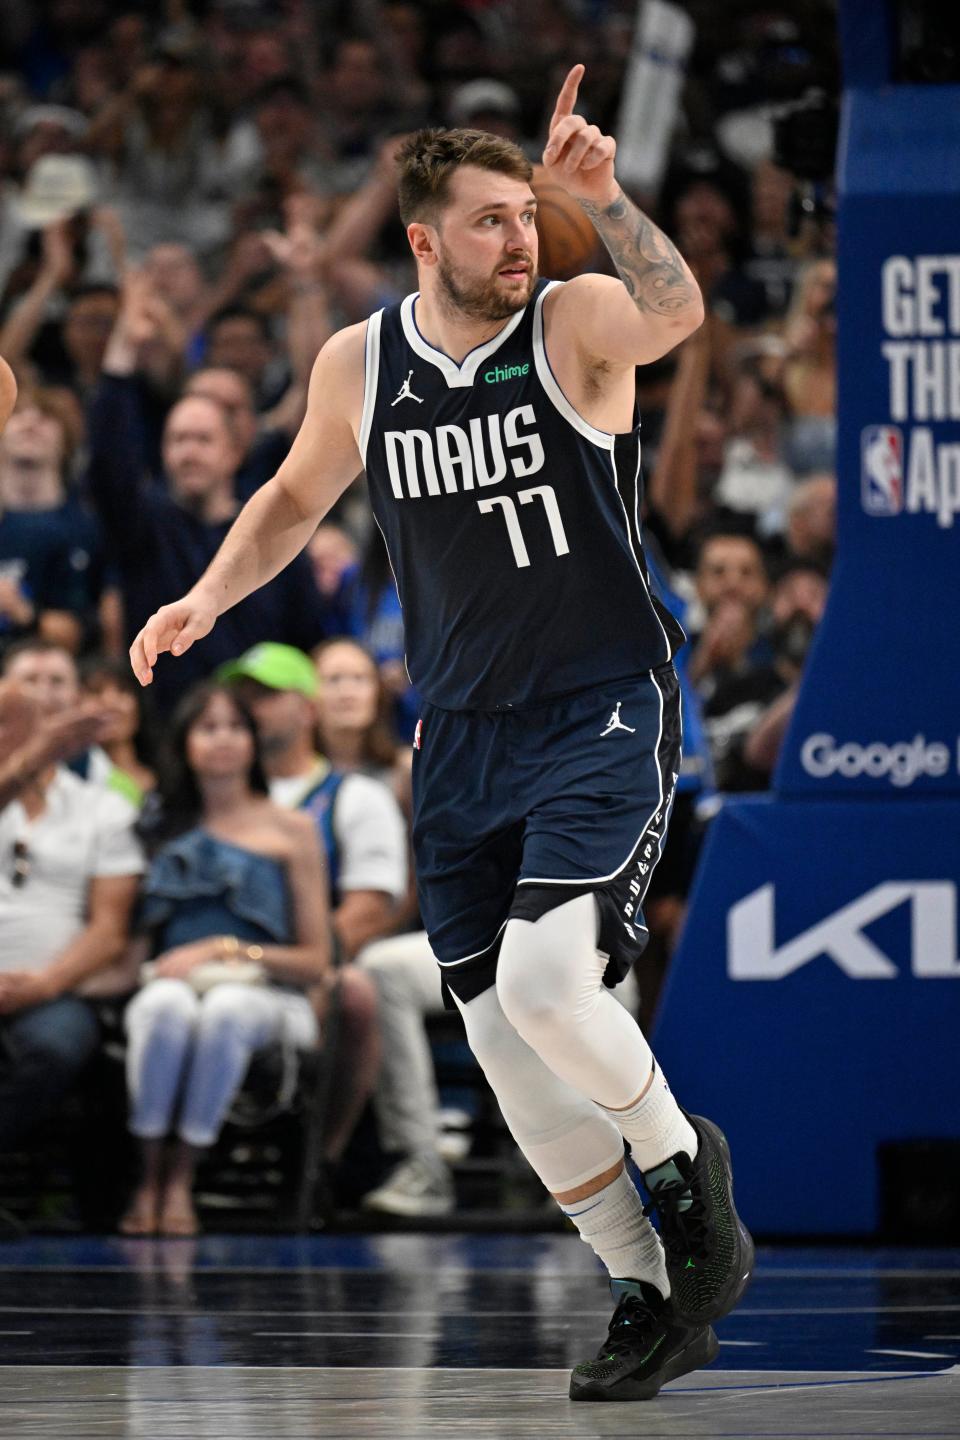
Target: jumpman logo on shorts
{"x": 615, "y": 723}
{"x": 406, "y": 393}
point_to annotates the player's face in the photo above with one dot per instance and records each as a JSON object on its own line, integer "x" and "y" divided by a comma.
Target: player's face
{"x": 486, "y": 244}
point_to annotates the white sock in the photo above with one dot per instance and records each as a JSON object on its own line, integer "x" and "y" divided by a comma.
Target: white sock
{"x": 613, "y": 1224}
{"x": 655, "y": 1126}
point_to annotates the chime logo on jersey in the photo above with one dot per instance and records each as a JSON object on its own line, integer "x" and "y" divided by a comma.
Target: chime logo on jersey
{"x": 506, "y": 372}
{"x": 454, "y": 458}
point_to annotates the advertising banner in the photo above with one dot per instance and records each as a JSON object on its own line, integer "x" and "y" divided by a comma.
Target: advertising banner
{"x": 879, "y": 709}
{"x": 813, "y": 1007}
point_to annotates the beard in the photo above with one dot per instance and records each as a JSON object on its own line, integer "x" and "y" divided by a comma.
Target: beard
{"x": 484, "y": 299}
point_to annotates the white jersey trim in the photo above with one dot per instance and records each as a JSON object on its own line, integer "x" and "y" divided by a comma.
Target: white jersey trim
{"x": 548, "y": 380}
{"x": 371, "y": 376}
{"x": 636, "y": 525}
{"x": 639, "y": 539}
{"x": 604, "y": 879}
{"x": 457, "y": 376}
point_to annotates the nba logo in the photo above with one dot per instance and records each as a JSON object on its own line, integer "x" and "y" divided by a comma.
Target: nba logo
{"x": 881, "y": 469}
{"x": 417, "y": 734}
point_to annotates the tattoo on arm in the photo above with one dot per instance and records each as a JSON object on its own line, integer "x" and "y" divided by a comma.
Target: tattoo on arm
{"x": 648, "y": 263}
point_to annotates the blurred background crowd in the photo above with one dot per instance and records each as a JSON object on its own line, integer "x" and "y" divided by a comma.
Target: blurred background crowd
{"x": 193, "y": 195}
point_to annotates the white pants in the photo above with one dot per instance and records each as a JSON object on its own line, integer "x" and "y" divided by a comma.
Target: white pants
{"x": 408, "y": 990}
{"x": 196, "y": 1051}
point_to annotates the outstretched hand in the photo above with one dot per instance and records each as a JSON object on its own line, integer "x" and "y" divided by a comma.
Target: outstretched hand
{"x": 578, "y": 156}
{"x": 173, "y": 628}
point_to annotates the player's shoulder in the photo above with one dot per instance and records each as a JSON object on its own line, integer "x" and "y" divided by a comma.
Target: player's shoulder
{"x": 572, "y": 298}
{"x": 336, "y": 383}
{"x": 344, "y": 350}
{"x": 570, "y": 312}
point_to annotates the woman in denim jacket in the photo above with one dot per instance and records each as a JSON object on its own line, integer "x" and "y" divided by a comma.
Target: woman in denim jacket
{"x": 237, "y": 884}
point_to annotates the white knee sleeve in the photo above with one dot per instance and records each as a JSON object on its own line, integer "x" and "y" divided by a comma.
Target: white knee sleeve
{"x": 550, "y": 984}
{"x": 550, "y": 969}
{"x": 565, "y": 1137}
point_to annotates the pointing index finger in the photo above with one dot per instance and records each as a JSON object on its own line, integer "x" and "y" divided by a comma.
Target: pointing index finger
{"x": 567, "y": 98}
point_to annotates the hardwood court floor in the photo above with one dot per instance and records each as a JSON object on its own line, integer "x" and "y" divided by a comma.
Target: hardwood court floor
{"x": 408, "y": 1336}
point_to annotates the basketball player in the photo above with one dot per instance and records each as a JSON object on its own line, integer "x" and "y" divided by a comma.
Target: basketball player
{"x": 494, "y": 415}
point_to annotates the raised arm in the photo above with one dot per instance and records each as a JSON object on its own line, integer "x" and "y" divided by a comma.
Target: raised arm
{"x": 280, "y": 518}
{"x": 300, "y": 251}
{"x": 118, "y": 464}
{"x": 667, "y": 304}
{"x": 57, "y": 267}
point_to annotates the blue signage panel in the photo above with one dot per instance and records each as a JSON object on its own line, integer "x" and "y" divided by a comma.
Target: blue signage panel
{"x": 879, "y": 708}
{"x": 813, "y": 1006}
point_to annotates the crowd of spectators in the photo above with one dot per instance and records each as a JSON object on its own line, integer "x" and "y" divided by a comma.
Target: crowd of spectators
{"x": 194, "y": 194}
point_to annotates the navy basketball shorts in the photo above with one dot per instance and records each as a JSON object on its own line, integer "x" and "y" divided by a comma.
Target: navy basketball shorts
{"x": 517, "y": 811}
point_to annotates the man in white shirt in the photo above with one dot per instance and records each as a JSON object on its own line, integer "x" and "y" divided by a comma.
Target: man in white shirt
{"x": 69, "y": 868}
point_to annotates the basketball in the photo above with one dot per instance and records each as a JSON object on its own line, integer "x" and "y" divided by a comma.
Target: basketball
{"x": 8, "y": 393}
{"x": 567, "y": 238}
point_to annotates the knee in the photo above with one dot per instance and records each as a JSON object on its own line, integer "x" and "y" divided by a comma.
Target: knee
{"x": 396, "y": 966}
{"x": 531, "y": 993}
{"x": 379, "y": 981}
{"x": 379, "y": 954}
{"x": 358, "y": 1001}
{"x": 226, "y": 1011}
{"x": 60, "y": 1037}
{"x": 168, "y": 1005}
{"x": 550, "y": 973}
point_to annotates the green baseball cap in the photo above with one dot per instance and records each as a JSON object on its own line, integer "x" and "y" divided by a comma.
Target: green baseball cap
{"x": 279, "y": 667}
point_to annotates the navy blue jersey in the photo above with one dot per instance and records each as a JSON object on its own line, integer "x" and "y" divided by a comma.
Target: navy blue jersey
{"x": 513, "y": 526}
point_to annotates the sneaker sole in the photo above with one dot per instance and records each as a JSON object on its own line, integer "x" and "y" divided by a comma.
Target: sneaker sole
{"x": 726, "y": 1299}
{"x": 702, "y": 1350}
{"x": 407, "y": 1209}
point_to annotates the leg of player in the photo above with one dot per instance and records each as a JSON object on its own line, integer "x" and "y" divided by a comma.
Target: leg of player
{"x": 549, "y": 980}
{"x": 577, "y": 1151}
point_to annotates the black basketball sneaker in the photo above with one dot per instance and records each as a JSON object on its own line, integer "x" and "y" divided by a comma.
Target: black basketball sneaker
{"x": 709, "y": 1252}
{"x": 646, "y": 1346}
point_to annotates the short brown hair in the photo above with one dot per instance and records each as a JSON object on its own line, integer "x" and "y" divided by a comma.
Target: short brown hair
{"x": 426, "y": 161}
{"x": 34, "y": 645}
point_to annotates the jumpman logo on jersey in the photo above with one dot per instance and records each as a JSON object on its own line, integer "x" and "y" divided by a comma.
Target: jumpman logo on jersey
{"x": 615, "y": 723}
{"x": 406, "y": 393}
